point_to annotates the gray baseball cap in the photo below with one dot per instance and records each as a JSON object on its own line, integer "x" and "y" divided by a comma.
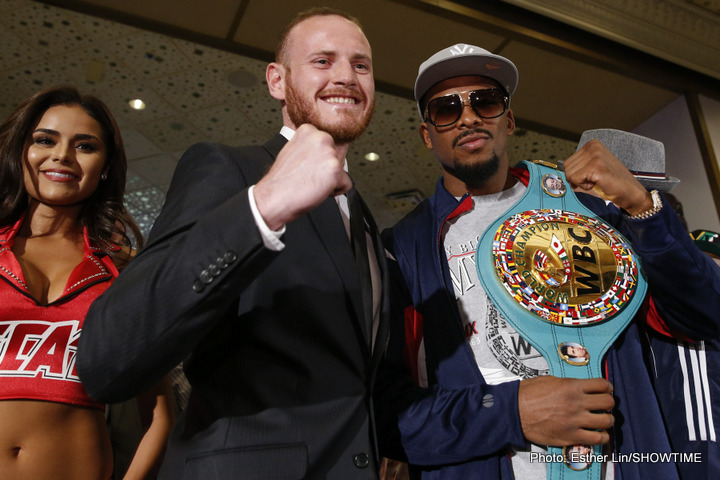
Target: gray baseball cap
{"x": 463, "y": 59}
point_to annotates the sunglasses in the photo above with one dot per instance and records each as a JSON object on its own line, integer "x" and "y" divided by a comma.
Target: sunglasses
{"x": 486, "y": 103}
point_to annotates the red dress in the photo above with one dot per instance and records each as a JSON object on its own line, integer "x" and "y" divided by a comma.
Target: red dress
{"x": 38, "y": 343}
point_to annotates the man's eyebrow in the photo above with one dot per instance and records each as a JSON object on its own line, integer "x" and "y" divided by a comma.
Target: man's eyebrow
{"x": 362, "y": 56}
{"x": 327, "y": 53}
{"x": 332, "y": 53}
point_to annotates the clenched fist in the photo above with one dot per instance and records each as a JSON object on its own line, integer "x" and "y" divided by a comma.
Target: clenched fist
{"x": 307, "y": 170}
{"x": 594, "y": 169}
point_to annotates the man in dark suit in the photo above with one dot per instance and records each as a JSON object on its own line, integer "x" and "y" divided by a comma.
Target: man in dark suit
{"x": 250, "y": 278}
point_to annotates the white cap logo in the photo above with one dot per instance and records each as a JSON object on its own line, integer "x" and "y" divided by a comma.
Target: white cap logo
{"x": 460, "y": 49}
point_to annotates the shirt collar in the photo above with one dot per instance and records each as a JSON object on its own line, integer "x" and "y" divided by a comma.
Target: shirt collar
{"x": 289, "y": 133}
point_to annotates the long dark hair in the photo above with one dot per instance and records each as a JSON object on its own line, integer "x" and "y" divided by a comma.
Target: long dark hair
{"x": 103, "y": 213}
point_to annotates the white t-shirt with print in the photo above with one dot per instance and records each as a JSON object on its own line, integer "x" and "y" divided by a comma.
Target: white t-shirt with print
{"x": 501, "y": 354}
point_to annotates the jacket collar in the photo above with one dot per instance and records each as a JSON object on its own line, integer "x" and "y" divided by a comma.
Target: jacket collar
{"x": 446, "y": 205}
{"x": 95, "y": 266}
{"x": 275, "y": 144}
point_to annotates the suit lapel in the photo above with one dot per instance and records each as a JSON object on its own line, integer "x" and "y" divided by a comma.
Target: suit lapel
{"x": 275, "y": 144}
{"x": 330, "y": 229}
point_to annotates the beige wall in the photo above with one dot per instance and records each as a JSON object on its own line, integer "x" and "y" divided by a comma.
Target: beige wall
{"x": 672, "y": 125}
{"x": 711, "y": 112}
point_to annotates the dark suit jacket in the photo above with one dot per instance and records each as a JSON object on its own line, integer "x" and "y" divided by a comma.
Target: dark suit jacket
{"x": 274, "y": 343}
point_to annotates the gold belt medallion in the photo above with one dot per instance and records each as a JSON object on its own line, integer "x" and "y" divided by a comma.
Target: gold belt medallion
{"x": 564, "y": 267}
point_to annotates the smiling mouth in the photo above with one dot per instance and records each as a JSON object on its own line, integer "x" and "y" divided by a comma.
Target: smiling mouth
{"x": 62, "y": 176}
{"x": 341, "y": 100}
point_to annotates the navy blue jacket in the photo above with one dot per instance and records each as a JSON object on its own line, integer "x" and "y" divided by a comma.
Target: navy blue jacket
{"x": 462, "y": 428}
{"x": 686, "y": 377}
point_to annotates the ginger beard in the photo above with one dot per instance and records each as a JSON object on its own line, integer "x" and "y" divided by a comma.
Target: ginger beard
{"x": 344, "y": 130}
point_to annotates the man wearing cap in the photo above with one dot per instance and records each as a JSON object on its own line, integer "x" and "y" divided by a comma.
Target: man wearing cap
{"x": 462, "y": 395}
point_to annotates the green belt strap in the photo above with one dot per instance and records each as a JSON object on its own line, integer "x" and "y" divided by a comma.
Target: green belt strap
{"x": 567, "y": 282}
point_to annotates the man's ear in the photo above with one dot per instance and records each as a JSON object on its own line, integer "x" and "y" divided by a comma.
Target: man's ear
{"x": 425, "y": 135}
{"x": 510, "y": 122}
{"x": 275, "y": 77}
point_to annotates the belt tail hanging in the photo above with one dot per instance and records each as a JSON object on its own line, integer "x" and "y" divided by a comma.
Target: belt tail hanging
{"x": 567, "y": 282}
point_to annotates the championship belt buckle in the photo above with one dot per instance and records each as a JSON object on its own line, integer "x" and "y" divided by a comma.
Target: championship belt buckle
{"x": 567, "y": 282}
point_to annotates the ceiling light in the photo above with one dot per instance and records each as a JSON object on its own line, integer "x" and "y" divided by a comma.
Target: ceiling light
{"x": 136, "y": 104}
{"x": 372, "y": 157}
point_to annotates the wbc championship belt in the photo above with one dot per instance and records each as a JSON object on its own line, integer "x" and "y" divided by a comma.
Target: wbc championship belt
{"x": 567, "y": 282}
